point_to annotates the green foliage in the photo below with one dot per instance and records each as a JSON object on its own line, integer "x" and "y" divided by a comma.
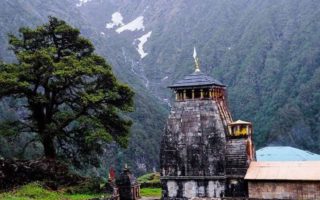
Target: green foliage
{"x": 150, "y": 192}
{"x": 266, "y": 52}
{"x": 37, "y": 192}
{"x": 70, "y": 93}
{"x": 151, "y": 180}
{"x": 149, "y": 115}
{"x": 90, "y": 186}
{"x": 34, "y": 191}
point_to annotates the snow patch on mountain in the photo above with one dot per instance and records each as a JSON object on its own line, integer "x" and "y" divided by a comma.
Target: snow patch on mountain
{"x": 116, "y": 20}
{"x": 82, "y": 2}
{"x": 142, "y": 40}
{"x": 164, "y": 78}
{"x": 134, "y": 25}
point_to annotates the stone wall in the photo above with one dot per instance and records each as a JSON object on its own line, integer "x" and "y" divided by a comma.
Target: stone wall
{"x": 304, "y": 190}
{"x": 187, "y": 189}
{"x": 236, "y": 167}
{"x": 198, "y": 158}
{"x": 194, "y": 141}
{"x": 192, "y": 158}
{"x": 236, "y": 157}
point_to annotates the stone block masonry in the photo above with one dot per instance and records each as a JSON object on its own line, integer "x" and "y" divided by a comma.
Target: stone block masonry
{"x": 304, "y": 190}
{"x": 193, "y": 151}
{"x": 200, "y": 155}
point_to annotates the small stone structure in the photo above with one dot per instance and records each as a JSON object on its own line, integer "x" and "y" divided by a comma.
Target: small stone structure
{"x": 203, "y": 152}
{"x": 128, "y": 186}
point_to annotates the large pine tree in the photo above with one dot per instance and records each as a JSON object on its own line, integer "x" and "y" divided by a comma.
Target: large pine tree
{"x": 71, "y": 99}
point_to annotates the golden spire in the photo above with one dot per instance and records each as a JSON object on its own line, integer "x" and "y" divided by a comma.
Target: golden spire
{"x": 196, "y": 60}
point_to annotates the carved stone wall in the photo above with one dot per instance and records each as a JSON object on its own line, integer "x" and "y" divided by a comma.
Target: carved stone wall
{"x": 237, "y": 163}
{"x": 198, "y": 157}
{"x": 187, "y": 189}
{"x": 193, "y": 151}
{"x": 236, "y": 157}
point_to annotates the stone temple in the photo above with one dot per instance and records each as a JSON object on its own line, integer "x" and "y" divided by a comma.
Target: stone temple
{"x": 204, "y": 153}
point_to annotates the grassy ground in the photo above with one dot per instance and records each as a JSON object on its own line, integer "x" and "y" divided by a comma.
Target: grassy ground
{"x": 150, "y": 192}
{"x": 150, "y": 185}
{"x": 34, "y": 191}
{"x": 150, "y": 178}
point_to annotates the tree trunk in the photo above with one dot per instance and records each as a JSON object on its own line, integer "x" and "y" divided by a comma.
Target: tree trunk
{"x": 49, "y": 149}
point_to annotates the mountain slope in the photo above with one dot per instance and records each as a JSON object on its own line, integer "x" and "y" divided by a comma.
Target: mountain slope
{"x": 145, "y": 133}
{"x": 267, "y": 52}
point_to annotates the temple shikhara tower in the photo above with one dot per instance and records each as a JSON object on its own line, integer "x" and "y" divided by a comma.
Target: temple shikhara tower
{"x": 204, "y": 153}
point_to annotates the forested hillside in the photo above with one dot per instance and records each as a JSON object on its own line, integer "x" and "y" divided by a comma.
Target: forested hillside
{"x": 266, "y": 52}
{"x": 145, "y": 133}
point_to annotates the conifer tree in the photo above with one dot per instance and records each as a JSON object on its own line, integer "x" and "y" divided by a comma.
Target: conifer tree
{"x": 72, "y": 100}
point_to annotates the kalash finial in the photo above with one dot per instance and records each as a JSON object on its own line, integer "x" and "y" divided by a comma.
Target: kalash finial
{"x": 196, "y": 60}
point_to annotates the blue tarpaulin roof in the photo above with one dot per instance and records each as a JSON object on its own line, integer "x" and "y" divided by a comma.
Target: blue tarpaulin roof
{"x": 285, "y": 153}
